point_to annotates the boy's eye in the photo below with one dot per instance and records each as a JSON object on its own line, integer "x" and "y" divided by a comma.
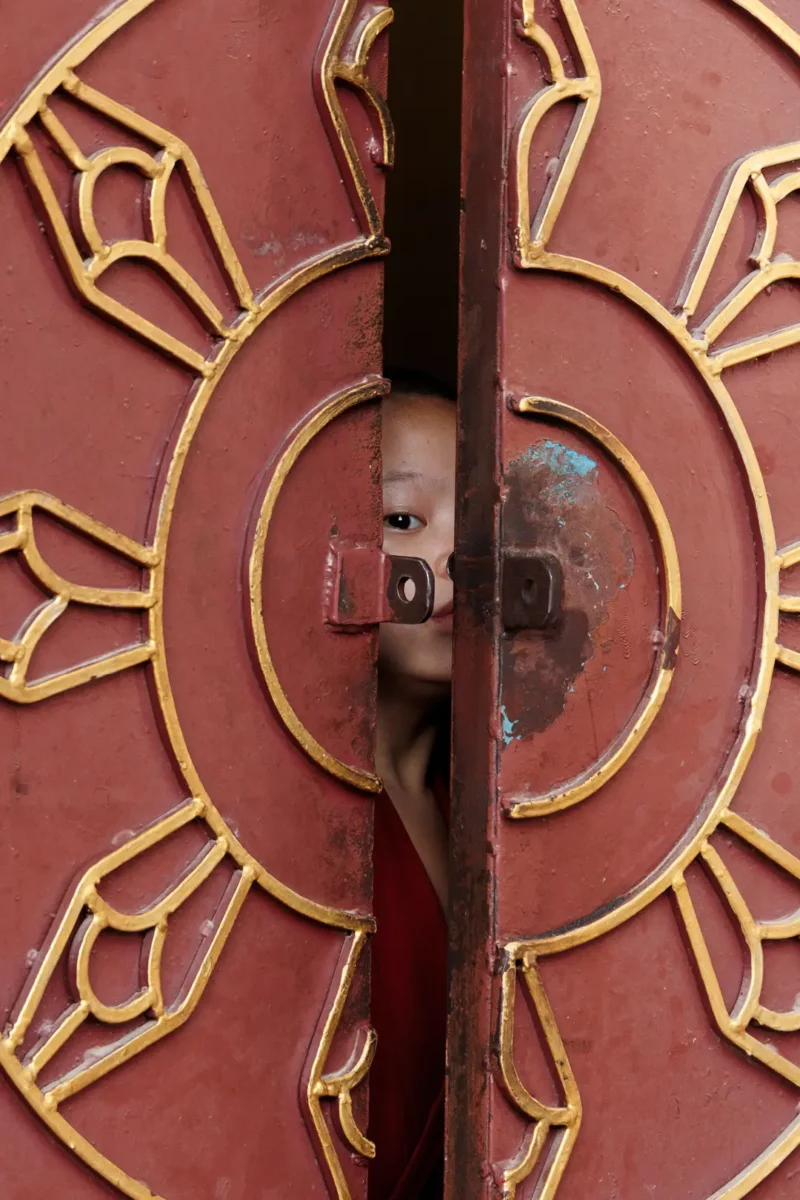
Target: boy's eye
{"x": 402, "y": 521}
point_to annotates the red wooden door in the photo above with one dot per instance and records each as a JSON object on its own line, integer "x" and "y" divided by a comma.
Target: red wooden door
{"x": 626, "y": 964}
{"x": 190, "y": 306}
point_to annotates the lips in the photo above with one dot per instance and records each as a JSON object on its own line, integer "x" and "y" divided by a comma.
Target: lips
{"x": 442, "y": 613}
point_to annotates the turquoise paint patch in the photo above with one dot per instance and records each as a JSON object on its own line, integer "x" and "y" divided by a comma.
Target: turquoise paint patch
{"x": 561, "y": 459}
{"x": 567, "y": 465}
{"x": 508, "y": 727}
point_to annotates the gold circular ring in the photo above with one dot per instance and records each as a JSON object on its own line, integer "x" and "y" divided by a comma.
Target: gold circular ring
{"x": 322, "y": 416}
{"x": 599, "y": 774}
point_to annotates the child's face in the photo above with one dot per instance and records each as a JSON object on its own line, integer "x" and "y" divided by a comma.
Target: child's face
{"x": 419, "y": 462}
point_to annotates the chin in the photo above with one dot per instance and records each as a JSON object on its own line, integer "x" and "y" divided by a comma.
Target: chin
{"x": 440, "y": 680}
{"x": 410, "y": 654}
{"x": 425, "y": 683}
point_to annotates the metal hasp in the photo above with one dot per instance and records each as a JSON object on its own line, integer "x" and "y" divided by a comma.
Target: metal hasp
{"x": 368, "y": 587}
{"x": 531, "y": 589}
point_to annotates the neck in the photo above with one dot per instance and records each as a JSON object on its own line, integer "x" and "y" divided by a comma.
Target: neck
{"x": 408, "y": 722}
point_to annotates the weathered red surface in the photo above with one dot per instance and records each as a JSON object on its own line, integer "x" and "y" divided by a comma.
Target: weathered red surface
{"x": 474, "y": 660}
{"x": 89, "y": 414}
{"x": 671, "y": 1109}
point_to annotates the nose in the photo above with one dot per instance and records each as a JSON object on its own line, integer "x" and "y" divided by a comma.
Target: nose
{"x": 442, "y": 566}
{"x": 442, "y": 563}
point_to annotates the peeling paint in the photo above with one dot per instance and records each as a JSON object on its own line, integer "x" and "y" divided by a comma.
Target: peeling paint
{"x": 554, "y": 502}
{"x": 508, "y": 727}
{"x": 564, "y": 465}
{"x": 560, "y": 459}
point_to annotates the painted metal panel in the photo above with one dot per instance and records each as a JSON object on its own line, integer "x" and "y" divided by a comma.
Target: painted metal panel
{"x": 190, "y": 306}
{"x": 624, "y": 996}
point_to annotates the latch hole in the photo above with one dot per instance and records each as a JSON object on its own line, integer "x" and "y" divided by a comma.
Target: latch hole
{"x": 532, "y": 589}
{"x": 406, "y": 589}
{"x": 529, "y": 591}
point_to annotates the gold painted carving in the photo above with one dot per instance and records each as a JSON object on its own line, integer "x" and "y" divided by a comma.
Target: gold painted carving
{"x": 87, "y": 914}
{"x": 648, "y": 710}
{"x": 157, "y": 169}
{"x": 532, "y": 236}
{"x": 769, "y": 270}
{"x": 85, "y": 918}
{"x": 534, "y": 233}
{"x": 566, "y": 1119}
{"x": 18, "y": 652}
{"x": 316, "y": 422}
{"x": 748, "y": 1008}
{"x": 340, "y": 1085}
{"x": 345, "y": 61}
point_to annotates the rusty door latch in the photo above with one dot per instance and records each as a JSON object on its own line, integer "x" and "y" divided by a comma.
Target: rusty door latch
{"x": 364, "y": 586}
{"x": 531, "y": 589}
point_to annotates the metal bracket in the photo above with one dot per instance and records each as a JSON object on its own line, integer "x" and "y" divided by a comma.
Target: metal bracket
{"x": 531, "y": 589}
{"x": 367, "y": 587}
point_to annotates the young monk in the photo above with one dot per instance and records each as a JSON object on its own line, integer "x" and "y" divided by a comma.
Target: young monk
{"x": 410, "y": 857}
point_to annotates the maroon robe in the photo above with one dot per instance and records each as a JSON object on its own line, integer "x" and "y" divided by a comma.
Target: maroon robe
{"x": 409, "y": 1013}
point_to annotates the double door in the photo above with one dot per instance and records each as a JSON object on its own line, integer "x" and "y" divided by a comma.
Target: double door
{"x": 193, "y": 244}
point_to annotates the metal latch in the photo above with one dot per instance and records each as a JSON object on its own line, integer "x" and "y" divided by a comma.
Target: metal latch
{"x": 531, "y": 589}
{"x": 367, "y": 587}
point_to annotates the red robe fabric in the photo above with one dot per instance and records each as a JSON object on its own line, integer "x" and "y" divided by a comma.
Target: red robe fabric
{"x": 409, "y": 1014}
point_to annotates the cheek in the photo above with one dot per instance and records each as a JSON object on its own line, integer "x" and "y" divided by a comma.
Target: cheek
{"x": 417, "y": 651}
{"x": 395, "y": 646}
{"x": 390, "y": 541}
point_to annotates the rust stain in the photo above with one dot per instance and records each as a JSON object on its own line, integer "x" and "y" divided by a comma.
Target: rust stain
{"x": 554, "y": 502}
{"x": 672, "y": 641}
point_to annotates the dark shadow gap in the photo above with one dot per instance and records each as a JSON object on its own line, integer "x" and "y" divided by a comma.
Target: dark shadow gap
{"x": 423, "y": 195}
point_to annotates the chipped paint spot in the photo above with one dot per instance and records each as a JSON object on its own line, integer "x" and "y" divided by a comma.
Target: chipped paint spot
{"x": 553, "y": 501}
{"x": 508, "y": 727}
{"x": 566, "y": 467}
{"x": 560, "y": 459}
